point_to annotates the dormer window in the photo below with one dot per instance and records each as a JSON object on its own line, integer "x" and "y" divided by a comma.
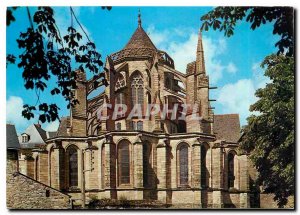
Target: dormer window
{"x": 25, "y": 138}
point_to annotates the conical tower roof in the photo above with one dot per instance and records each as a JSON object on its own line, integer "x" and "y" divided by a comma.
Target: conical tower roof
{"x": 140, "y": 39}
{"x": 139, "y": 46}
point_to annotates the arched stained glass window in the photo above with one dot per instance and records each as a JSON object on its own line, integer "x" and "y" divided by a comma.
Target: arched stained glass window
{"x": 120, "y": 100}
{"x": 124, "y": 162}
{"x": 231, "y": 176}
{"x": 147, "y": 156}
{"x": 149, "y": 98}
{"x": 73, "y": 167}
{"x": 203, "y": 167}
{"x": 137, "y": 89}
{"x": 183, "y": 165}
{"x": 118, "y": 126}
{"x": 149, "y": 78}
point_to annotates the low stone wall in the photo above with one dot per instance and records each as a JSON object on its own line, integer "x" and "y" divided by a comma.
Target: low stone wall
{"x": 23, "y": 192}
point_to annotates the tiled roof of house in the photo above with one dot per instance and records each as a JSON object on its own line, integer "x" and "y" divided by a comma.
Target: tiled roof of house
{"x": 12, "y": 141}
{"x": 227, "y": 127}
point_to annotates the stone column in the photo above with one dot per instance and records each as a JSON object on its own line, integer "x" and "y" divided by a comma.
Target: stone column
{"x": 107, "y": 171}
{"x": 100, "y": 164}
{"x": 110, "y": 166}
{"x": 162, "y": 170}
{"x": 43, "y": 159}
{"x": 244, "y": 182}
{"x": 138, "y": 167}
{"x": 57, "y": 167}
{"x": 196, "y": 171}
{"x": 29, "y": 166}
{"x": 217, "y": 175}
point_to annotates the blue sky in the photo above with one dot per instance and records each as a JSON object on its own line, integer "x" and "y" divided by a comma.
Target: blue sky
{"x": 231, "y": 63}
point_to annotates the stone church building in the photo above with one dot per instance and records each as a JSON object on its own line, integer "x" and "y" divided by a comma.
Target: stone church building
{"x": 179, "y": 162}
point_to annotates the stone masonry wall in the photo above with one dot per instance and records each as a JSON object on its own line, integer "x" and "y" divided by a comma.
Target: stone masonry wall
{"x": 25, "y": 193}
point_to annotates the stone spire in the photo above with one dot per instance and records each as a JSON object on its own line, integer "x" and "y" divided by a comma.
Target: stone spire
{"x": 139, "y": 19}
{"x": 200, "y": 64}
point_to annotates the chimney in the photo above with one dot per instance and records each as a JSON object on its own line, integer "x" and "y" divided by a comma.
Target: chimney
{"x": 38, "y": 125}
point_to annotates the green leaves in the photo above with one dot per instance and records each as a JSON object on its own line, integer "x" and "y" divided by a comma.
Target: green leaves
{"x": 27, "y": 111}
{"x": 10, "y": 59}
{"x": 225, "y": 19}
{"x": 269, "y": 136}
{"x": 46, "y": 53}
{"x": 9, "y": 15}
{"x": 50, "y": 112}
{"x": 55, "y": 91}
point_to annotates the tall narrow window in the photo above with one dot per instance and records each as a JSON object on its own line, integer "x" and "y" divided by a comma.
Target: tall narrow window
{"x": 230, "y": 170}
{"x": 203, "y": 167}
{"x": 73, "y": 167}
{"x": 124, "y": 162}
{"x": 139, "y": 125}
{"x": 133, "y": 125}
{"x": 120, "y": 100}
{"x": 181, "y": 126}
{"x": 149, "y": 98}
{"x": 118, "y": 126}
{"x": 146, "y": 164}
{"x": 183, "y": 165}
{"x": 137, "y": 89}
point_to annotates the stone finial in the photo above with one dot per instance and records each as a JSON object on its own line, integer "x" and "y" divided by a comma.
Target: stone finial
{"x": 200, "y": 64}
{"x": 139, "y": 19}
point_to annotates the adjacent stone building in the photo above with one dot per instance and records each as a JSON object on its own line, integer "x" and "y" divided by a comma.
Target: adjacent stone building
{"x": 186, "y": 163}
{"x": 31, "y": 139}
{"x": 23, "y": 192}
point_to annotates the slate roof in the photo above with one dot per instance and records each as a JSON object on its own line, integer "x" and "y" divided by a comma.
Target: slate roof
{"x": 41, "y": 131}
{"x": 37, "y": 136}
{"x": 12, "y": 141}
{"x": 140, "y": 39}
{"x": 64, "y": 124}
{"x": 227, "y": 127}
{"x": 51, "y": 134}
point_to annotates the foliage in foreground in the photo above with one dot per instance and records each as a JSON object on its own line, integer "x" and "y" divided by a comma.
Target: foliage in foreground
{"x": 269, "y": 136}
{"x": 49, "y": 55}
{"x": 226, "y": 18}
